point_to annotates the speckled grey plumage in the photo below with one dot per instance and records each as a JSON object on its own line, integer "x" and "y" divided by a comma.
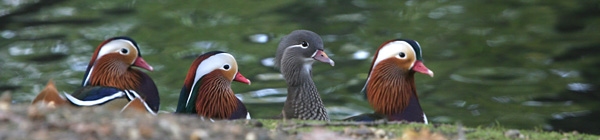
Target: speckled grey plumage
{"x": 295, "y": 63}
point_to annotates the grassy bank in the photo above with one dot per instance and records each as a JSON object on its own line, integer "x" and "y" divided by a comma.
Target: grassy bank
{"x": 24, "y": 121}
{"x": 402, "y": 130}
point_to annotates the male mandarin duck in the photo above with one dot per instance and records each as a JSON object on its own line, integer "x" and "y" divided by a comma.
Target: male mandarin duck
{"x": 390, "y": 86}
{"x": 295, "y": 55}
{"x": 110, "y": 78}
{"x": 207, "y": 88}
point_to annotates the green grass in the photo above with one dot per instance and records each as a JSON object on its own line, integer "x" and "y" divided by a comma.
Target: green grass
{"x": 449, "y": 131}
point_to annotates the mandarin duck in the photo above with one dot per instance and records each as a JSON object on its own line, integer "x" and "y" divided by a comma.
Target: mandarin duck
{"x": 207, "y": 88}
{"x": 49, "y": 96}
{"x": 294, "y": 58}
{"x": 110, "y": 78}
{"x": 390, "y": 86}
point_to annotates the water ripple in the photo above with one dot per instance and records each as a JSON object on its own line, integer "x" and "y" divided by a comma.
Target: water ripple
{"x": 8, "y": 34}
{"x": 580, "y": 87}
{"x": 565, "y": 73}
{"x": 268, "y": 62}
{"x": 360, "y": 55}
{"x": 563, "y": 115}
{"x": 259, "y": 38}
{"x": 499, "y": 76}
{"x": 268, "y": 92}
{"x": 269, "y": 76}
{"x": 268, "y": 95}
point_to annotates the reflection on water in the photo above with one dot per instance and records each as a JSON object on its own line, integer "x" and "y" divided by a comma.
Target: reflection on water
{"x": 522, "y": 64}
{"x": 268, "y": 95}
{"x": 360, "y": 55}
{"x": 259, "y": 38}
{"x": 580, "y": 87}
{"x": 564, "y": 115}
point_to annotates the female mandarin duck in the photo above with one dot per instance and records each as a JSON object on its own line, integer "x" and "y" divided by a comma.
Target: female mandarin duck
{"x": 295, "y": 55}
{"x": 390, "y": 86}
{"x": 207, "y": 88}
{"x": 109, "y": 77}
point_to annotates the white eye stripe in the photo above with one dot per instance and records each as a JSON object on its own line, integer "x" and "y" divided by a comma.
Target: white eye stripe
{"x": 295, "y": 46}
{"x": 113, "y": 46}
{"x": 393, "y": 49}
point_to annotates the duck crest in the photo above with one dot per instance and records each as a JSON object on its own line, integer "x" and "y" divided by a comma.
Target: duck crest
{"x": 389, "y": 89}
{"x": 97, "y": 52}
{"x": 215, "y": 97}
{"x": 109, "y": 72}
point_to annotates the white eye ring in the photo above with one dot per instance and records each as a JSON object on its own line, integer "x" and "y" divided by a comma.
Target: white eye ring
{"x": 304, "y": 44}
{"x": 226, "y": 67}
{"x": 402, "y": 55}
{"x": 124, "y": 51}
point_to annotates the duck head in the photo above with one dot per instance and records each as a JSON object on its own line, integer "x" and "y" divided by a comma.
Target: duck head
{"x": 403, "y": 54}
{"x": 111, "y": 64}
{"x": 297, "y": 52}
{"x": 301, "y": 46}
{"x": 390, "y": 85}
{"x": 207, "y": 87}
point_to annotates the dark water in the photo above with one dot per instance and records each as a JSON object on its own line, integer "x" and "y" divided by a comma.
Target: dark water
{"x": 529, "y": 64}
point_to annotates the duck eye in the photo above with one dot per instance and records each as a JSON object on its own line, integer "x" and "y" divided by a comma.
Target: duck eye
{"x": 402, "y": 55}
{"x": 226, "y": 67}
{"x": 124, "y": 51}
{"x": 304, "y": 44}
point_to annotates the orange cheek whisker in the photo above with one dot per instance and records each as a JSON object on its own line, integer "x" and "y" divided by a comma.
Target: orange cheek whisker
{"x": 215, "y": 98}
{"x": 389, "y": 88}
{"x": 110, "y": 72}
